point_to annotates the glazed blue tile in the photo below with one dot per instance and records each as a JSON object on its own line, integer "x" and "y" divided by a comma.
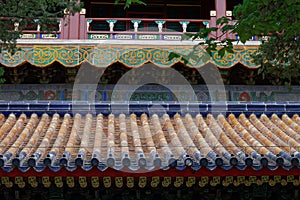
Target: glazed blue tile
{"x": 275, "y": 107}
{"x": 295, "y": 107}
{"x": 256, "y": 107}
{"x": 103, "y": 108}
{"x": 118, "y": 108}
{"x": 3, "y": 106}
{"x": 39, "y": 113}
{"x": 159, "y": 109}
{"x": 172, "y": 113}
{"x": 174, "y": 108}
{"x": 59, "y": 106}
{"x": 204, "y": 114}
{"x": 256, "y": 102}
{"x": 237, "y": 107}
{"x": 217, "y": 107}
{"x": 193, "y": 107}
{"x": 184, "y": 107}
{"x": 203, "y": 107}
{"x": 157, "y": 106}
{"x": 138, "y": 107}
{"x": 18, "y": 107}
{"x": 80, "y": 107}
{"x": 38, "y": 106}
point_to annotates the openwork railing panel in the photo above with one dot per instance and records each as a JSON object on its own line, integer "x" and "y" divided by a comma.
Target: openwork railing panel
{"x": 146, "y": 29}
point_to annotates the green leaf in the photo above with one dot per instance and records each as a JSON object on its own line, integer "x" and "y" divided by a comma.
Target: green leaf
{"x": 173, "y": 55}
{"x": 265, "y": 2}
{"x": 228, "y": 27}
{"x": 222, "y": 20}
{"x": 187, "y": 36}
{"x": 222, "y": 52}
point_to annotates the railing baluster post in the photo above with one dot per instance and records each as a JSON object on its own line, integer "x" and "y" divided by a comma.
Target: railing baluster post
{"x": 184, "y": 25}
{"x": 59, "y": 25}
{"x": 160, "y": 24}
{"x": 111, "y": 23}
{"x": 88, "y": 23}
{"x": 59, "y": 21}
{"x": 136, "y": 24}
{"x": 38, "y": 27}
{"x": 206, "y": 24}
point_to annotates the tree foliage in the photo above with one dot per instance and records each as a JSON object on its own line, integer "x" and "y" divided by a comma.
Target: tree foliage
{"x": 279, "y": 55}
{"x": 275, "y": 22}
{"x": 16, "y": 15}
{"x": 128, "y": 3}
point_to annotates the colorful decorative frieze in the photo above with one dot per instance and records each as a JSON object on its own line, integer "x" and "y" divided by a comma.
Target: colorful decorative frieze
{"x": 104, "y": 55}
{"x": 143, "y": 181}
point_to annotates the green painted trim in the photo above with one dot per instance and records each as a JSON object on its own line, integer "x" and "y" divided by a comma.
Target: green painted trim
{"x": 104, "y": 55}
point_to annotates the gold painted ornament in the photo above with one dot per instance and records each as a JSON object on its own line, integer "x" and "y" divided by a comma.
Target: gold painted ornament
{"x": 18, "y": 179}
{"x": 229, "y": 179}
{"x": 47, "y": 185}
{"x": 225, "y": 183}
{"x": 252, "y": 179}
{"x": 201, "y": 184}
{"x": 4, "y": 180}
{"x": 190, "y": 181}
{"x": 265, "y": 179}
{"x": 34, "y": 184}
{"x": 283, "y": 182}
{"x": 178, "y": 181}
{"x": 167, "y": 181}
{"x": 295, "y": 182}
{"x": 236, "y": 183}
{"x": 142, "y": 181}
{"x": 83, "y": 185}
{"x": 10, "y": 184}
{"x": 290, "y": 178}
{"x": 247, "y": 183}
{"x": 71, "y": 185}
{"x": 46, "y": 180}
{"x": 107, "y": 181}
{"x": 259, "y": 182}
{"x": 119, "y": 182}
{"x": 95, "y": 181}
{"x": 277, "y": 179}
{"x": 130, "y": 182}
{"x": 31, "y": 179}
{"x": 22, "y": 184}
{"x": 272, "y": 182}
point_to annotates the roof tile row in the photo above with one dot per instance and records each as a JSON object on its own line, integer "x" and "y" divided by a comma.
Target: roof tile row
{"x": 156, "y": 141}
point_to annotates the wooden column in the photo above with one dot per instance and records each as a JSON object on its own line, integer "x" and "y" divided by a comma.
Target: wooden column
{"x": 220, "y": 6}
{"x": 82, "y": 25}
{"x": 74, "y": 26}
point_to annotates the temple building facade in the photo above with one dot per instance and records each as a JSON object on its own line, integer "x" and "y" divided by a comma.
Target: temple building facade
{"x": 97, "y": 110}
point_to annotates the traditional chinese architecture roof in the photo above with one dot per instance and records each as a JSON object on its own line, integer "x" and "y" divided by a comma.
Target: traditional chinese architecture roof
{"x": 232, "y": 135}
